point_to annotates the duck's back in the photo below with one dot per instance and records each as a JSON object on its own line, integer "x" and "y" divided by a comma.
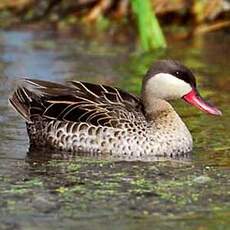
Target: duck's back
{"x": 80, "y": 116}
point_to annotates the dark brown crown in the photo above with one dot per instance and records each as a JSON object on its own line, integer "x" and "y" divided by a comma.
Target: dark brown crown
{"x": 172, "y": 67}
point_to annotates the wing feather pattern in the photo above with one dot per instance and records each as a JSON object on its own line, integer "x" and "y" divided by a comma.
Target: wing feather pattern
{"x": 77, "y": 102}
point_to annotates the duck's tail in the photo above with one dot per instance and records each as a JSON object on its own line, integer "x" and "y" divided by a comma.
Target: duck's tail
{"x": 27, "y": 97}
{"x": 20, "y": 100}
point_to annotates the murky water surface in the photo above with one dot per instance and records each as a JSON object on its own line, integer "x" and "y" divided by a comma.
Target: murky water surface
{"x": 43, "y": 191}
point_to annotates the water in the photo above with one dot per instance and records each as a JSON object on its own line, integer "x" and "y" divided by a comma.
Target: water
{"x": 39, "y": 190}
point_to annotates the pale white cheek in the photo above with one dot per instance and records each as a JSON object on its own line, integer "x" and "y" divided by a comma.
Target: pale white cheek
{"x": 166, "y": 86}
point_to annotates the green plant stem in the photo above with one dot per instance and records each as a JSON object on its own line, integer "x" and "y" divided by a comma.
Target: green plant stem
{"x": 151, "y": 35}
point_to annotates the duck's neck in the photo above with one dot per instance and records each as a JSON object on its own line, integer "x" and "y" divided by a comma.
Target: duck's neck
{"x": 156, "y": 107}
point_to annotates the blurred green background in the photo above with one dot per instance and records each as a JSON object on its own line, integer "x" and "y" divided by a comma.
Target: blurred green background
{"x": 151, "y": 22}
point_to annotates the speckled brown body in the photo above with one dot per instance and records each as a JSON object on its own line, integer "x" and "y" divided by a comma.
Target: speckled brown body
{"x": 166, "y": 135}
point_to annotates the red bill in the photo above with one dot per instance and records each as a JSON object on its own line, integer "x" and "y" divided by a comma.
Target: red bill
{"x": 196, "y": 100}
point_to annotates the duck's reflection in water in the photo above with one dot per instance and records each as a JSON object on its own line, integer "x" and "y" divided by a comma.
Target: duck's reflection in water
{"x": 43, "y": 155}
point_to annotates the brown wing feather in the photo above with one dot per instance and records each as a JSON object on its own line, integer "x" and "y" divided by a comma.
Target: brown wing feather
{"x": 77, "y": 102}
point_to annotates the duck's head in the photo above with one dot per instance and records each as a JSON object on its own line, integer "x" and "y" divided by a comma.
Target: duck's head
{"x": 169, "y": 80}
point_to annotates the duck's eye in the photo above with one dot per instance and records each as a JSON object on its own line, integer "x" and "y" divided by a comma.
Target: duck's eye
{"x": 177, "y": 73}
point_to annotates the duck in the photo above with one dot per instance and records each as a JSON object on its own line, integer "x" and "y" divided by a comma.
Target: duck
{"x": 100, "y": 119}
